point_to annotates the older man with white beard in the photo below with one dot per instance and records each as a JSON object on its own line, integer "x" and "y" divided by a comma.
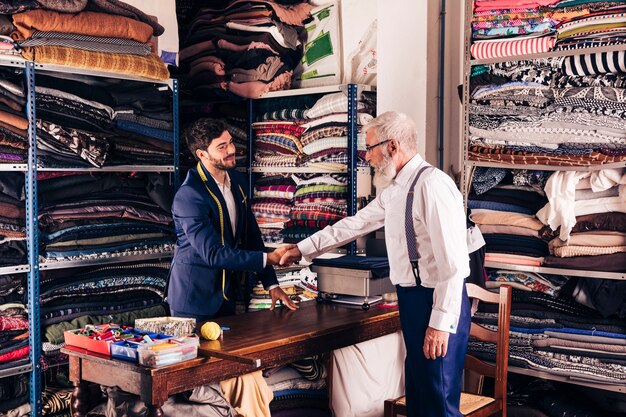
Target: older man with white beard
{"x": 434, "y": 308}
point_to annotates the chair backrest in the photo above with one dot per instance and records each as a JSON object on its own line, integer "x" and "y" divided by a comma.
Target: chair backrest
{"x": 500, "y": 338}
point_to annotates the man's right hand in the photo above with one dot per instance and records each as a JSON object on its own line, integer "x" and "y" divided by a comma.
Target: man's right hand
{"x": 290, "y": 256}
{"x": 273, "y": 258}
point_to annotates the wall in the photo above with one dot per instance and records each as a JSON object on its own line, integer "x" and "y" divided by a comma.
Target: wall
{"x": 402, "y": 57}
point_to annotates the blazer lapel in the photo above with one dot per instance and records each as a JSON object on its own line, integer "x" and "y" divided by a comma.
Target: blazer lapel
{"x": 228, "y": 233}
{"x": 241, "y": 204}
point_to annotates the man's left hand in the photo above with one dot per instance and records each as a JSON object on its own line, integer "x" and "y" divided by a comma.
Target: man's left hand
{"x": 278, "y": 294}
{"x": 435, "y": 343}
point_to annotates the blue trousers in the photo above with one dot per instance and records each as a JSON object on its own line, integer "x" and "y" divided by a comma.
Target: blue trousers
{"x": 433, "y": 387}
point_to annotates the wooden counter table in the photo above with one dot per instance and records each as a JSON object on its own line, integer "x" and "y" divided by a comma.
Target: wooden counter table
{"x": 255, "y": 341}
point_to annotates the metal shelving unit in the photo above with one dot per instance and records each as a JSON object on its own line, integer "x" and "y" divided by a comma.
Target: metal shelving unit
{"x": 30, "y": 170}
{"x": 4, "y": 373}
{"x": 13, "y": 167}
{"x": 16, "y": 269}
{"x": 318, "y": 90}
{"x": 305, "y": 170}
{"x": 352, "y": 91}
{"x": 470, "y": 165}
{"x": 119, "y": 168}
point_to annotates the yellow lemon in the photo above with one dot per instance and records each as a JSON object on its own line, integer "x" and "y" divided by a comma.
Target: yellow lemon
{"x": 211, "y": 330}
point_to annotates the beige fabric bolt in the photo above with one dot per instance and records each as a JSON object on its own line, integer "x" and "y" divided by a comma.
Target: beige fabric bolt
{"x": 248, "y": 394}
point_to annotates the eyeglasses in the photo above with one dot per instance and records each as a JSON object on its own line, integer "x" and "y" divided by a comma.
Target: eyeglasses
{"x": 369, "y": 148}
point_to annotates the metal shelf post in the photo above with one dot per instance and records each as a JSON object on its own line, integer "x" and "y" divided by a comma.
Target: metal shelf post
{"x": 32, "y": 239}
{"x": 352, "y": 155}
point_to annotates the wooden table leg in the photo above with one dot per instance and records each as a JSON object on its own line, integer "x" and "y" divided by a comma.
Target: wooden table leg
{"x": 81, "y": 403}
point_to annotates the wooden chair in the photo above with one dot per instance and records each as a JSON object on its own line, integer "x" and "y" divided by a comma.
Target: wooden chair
{"x": 473, "y": 405}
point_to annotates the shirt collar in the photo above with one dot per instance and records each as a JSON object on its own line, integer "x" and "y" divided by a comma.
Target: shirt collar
{"x": 405, "y": 174}
{"x": 225, "y": 184}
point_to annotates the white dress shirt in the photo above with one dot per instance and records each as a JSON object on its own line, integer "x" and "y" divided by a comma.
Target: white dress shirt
{"x": 440, "y": 227}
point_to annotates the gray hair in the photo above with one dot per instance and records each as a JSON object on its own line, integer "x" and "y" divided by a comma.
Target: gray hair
{"x": 398, "y": 126}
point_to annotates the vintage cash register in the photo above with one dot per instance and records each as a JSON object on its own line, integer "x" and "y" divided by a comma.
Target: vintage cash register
{"x": 352, "y": 279}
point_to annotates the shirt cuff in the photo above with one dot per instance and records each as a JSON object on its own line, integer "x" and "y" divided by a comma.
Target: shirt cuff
{"x": 445, "y": 322}
{"x": 307, "y": 249}
{"x": 264, "y": 260}
{"x": 271, "y": 287}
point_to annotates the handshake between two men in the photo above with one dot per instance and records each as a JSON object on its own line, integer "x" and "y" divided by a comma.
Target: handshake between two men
{"x": 284, "y": 255}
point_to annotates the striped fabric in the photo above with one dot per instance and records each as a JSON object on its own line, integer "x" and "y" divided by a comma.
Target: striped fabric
{"x": 87, "y": 42}
{"x": 501, "y": 48}
{"x": 613, "y": 62}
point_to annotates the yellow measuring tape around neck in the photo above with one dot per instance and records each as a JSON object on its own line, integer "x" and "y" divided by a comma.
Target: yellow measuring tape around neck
{"x": 221, "y": 213}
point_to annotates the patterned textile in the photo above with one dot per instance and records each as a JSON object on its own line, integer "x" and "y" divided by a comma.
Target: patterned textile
{"x": 280, "y": 143}
{"x": 485, "y": 179}
{"x": 273, "y": 160}
{"x": 506, "y": 156}
{"x": 330, "y": 207}
{"x": 317, "y": 224}
{"x": 149, "y": 66}
{"x": 310, "y": 189}
{"x": 89, "y": 146}
{"x": 87, "y": 42}
{"x": 56, "y": 400}
{"x": 13, "y": 323}
{"x": 529, "y": 280}
{"x": 284, "y": 114}
{"x": 315, "y": 215}
{"x": 329, "y": 104}
{"x": 501, "y": 48}
{"x": 613, "y": 62}
{"x": 147, "y": 121}
{"x": 261, "y": 128}
{"x": 574, "y": 250}
{"x": 330, "y": 131}
{"x": 273, "y": 208}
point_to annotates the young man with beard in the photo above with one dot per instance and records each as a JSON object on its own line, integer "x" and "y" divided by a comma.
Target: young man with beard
{"x": 434, "y": 308}
{"x": 218, "y": 238}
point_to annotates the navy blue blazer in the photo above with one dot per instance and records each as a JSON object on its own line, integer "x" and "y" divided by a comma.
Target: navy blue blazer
{"x": 195, "y": 282}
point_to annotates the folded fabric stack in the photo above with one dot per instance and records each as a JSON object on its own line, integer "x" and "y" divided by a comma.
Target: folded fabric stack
{"x": 70, "y": 296}
{"x": 319, "y": 201}
{"x": 562, "y": 219}
{"x": 94, "y": 216}
{"x": 298, "y": 394}
{"x": 14, "y": 395}
{"x": 14, "y": 346}
{"x": 272, "y": 204}
{"x": 13, "y": 121}
{"x": 102, "y": 35}
{"x": 558, "y": 335}
{"x": 506, "y": 28}
{"x": 503, "y": 205}
{"x": 12, "y": 220}
{"x": 585, "y": 220}
{"x": 533, "y": 112}
{"x": 302, "y": 132}
{"x": 87, "y": 122}
{"x": 295, "y": 280}
{"x": 244, "y": 49}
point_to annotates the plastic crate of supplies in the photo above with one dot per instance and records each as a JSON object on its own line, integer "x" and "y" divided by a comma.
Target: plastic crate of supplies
{"x": 169, "y": 351}
{"x": 127, "y": 349}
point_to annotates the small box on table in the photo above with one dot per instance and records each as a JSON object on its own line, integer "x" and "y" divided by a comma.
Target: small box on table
{"x": 173, "y": 326}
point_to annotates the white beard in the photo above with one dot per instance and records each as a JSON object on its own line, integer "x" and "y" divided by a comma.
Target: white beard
{"x": 384, "y": 173}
